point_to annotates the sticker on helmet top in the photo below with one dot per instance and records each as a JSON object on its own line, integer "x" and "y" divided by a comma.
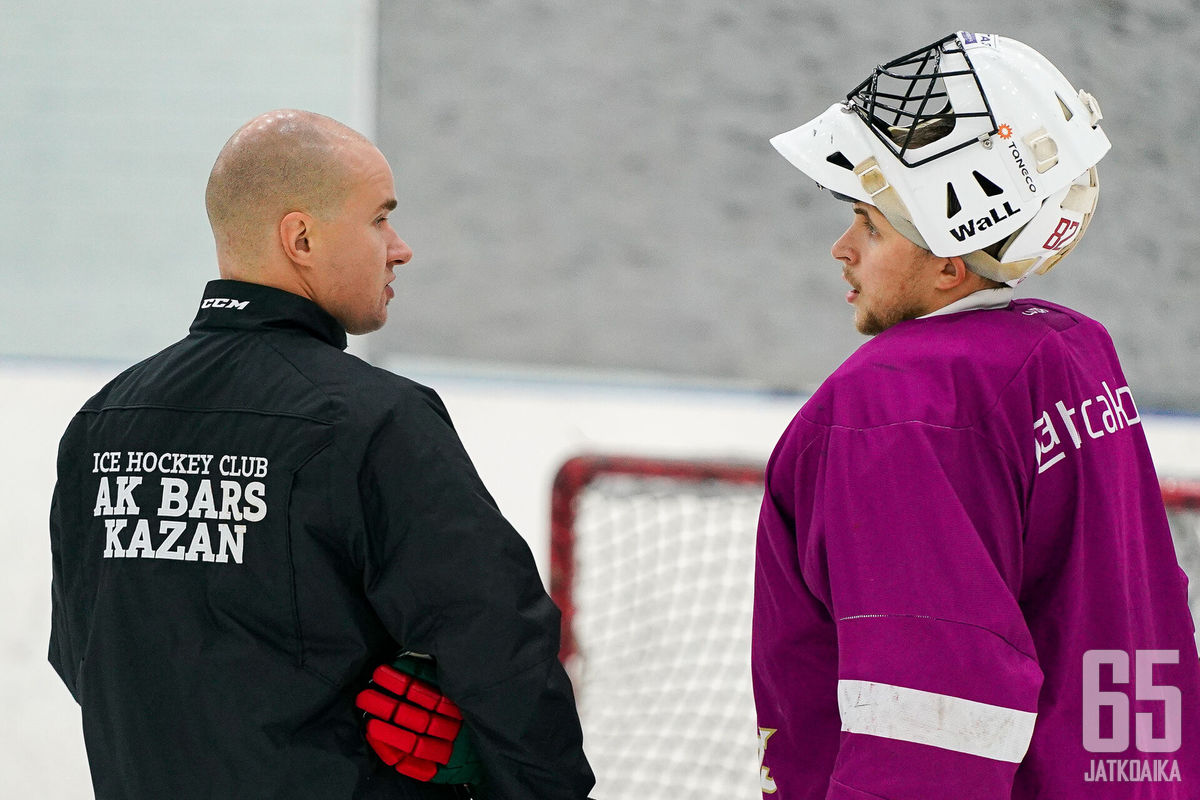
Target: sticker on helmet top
{"x": 977, "y": 39}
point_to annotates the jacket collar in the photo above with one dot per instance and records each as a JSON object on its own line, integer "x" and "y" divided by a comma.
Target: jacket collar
{"x": 249, "y": 306}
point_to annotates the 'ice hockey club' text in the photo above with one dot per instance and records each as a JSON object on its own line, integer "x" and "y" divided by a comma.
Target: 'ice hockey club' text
{"x": 174, "y": 518}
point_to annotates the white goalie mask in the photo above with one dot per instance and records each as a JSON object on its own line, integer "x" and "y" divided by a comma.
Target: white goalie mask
{"x": 975, "y": 146}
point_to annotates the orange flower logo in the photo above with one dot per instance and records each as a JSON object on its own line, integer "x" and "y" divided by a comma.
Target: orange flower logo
{"x": 1005, "y": 132}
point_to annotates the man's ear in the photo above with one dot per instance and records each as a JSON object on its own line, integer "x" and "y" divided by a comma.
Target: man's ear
{"x": 953, "y": 272}
{"x": 295, "y": 230}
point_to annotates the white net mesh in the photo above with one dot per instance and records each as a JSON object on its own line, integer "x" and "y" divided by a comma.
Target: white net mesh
{"x": 662, "y": 597}
{"x": 656, "y": 581}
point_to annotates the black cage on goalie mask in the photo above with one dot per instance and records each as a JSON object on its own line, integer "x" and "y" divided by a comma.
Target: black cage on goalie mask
{"x": 907, "y": 104}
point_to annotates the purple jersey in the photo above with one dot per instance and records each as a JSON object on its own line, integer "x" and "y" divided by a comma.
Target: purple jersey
{"x": 965, "y": 583}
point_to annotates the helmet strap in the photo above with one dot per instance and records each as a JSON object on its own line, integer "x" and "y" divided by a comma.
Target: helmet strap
{"x": 885, "y": 197}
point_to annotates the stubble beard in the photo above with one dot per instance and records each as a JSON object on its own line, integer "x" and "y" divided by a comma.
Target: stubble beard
{"x": 870, "y": 322}
{"x": 906, "y": 302}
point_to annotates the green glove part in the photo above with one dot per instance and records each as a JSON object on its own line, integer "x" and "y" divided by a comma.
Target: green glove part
{"x": 416, "y": 729}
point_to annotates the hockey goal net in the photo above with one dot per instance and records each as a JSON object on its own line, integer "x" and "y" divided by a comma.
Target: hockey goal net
{"x": 1183, "y": 510}
{"x": 652, "y": 564}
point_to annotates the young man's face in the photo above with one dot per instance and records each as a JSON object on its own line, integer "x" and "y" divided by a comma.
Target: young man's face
{"x": 892, "y": 278}
{"x": 360, "y": 247}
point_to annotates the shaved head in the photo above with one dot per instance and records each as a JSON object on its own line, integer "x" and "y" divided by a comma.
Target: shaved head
{"x": 281, "y": 161}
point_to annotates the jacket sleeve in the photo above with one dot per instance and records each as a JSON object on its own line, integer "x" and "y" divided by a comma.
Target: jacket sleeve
{"x": 938, "y": 680}
{"x": 62, "y": 651}
{"x": 450, "y": 577}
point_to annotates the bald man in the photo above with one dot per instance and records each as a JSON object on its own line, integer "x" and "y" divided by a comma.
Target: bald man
{"x": 250, "y": 521}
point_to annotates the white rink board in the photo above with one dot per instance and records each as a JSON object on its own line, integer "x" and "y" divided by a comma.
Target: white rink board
{"x": 519, "y": 428}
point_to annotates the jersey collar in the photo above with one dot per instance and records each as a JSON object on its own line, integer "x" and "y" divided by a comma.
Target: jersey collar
{"x": 249, "y": 306}
{"x": 984, "y": 299}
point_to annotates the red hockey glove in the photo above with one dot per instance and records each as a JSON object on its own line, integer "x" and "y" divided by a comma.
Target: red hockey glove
{"x": 413, "y": 727}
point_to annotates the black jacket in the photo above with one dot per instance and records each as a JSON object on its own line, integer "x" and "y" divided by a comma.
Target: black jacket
{"x": 244, "y": 525}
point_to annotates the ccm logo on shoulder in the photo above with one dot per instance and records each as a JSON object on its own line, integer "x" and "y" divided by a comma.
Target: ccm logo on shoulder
{"x": 224, "y": 302}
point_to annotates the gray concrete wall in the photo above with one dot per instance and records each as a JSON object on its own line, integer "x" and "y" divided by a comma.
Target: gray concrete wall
{"x": 590, "y": 184}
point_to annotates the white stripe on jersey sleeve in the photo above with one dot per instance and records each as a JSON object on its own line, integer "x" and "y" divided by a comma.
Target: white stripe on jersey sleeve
{"x": 937, "y": 720}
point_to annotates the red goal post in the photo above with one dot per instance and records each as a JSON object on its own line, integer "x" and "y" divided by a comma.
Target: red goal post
{"x": 652, "y": 567}
{"x": 1181, "y": 496}
{"x": 578, "y": 473}
{"x": 1182, "y": 499}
